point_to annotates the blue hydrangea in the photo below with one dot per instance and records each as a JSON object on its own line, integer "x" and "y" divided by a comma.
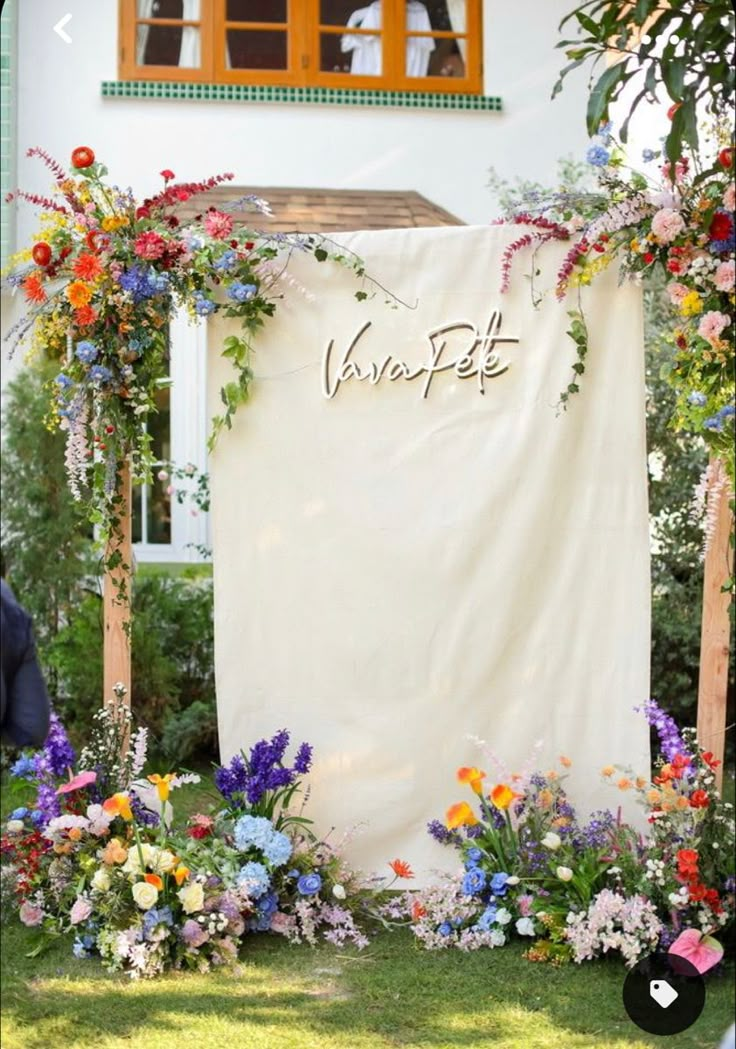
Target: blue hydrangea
{"x": 445, "y": 929}
{"x": 226, "y": 261}
{"x": 487, "y": 919}
{"x": 278, "y": 850}
{"x": 253, "y": 832}
{"x": 239, "y": 292}
{"x": 86, "y": 352}
{"x": 474, "y": 882}
{"x": 98, "y": 373}
{"x": 203, "y": 306}
{"x": 309, "y": 884}
{"x": 37, "y": 817}
{"x": 498, "y": 884}
{"x": 23, "y": 768}
{"x": 598, "y": 156}
{"x": 255, "y": 878}
{"x": 19, "y": 814}
{"x": 143, "y": 283}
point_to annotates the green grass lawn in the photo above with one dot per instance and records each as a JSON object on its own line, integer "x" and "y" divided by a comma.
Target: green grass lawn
{"x": 391, "y": 995}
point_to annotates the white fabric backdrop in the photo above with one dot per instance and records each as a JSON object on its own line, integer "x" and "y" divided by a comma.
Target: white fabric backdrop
{"x": 395, "y": 573}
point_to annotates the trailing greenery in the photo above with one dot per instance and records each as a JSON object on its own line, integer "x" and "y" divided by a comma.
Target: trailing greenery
{"x": 683, "y": 49}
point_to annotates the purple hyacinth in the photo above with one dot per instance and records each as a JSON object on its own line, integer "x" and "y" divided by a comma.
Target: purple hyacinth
{"x": 670, "y": 740}
{"x": 303, "y": 759}
{"x": 47, "y": 803}
{"x": 58, "y": 753}
{"x": 441, "y": 834}
{"x": 263, "y": 770}
{"x": 143, "y": 816}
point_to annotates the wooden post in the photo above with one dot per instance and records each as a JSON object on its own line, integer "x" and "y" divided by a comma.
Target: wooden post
{"x": 116, "y": 599}
{"x": 715, "y": 631}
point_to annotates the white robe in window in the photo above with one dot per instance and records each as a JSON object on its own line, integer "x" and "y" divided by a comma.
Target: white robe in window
{"x": 367, "y": 50}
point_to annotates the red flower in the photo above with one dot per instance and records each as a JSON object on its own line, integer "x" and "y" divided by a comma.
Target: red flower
{"x": 149, "y": 245}
{"x": 96, "y": 240}
{"x": 33, "y": 288}
{"x": 87, "y": 266}
{"x": 697, "y": 893}
{"x": 85, "y": 316}
{"x": 725, "y": 158}
{"x": 699, "y": 800}
{"x": 713, "y": 900}
{"x": 41, "y": 253}
{"x": 687, "y": 858}
{"x": 142, "y": 213}
{"x": 710, "y": 761}
{"x": 674, "y": 266}
{"x": 672, "y": 110}
{"x": 401, "y": 869}
{"x": 721, "y": 226}
{"x": 648, "y": 258}
{"x": 167, "y": 174}
{"x": 681, "y": 343}
{"x": 417, "y": 910}
{"x": 82, "y": 157}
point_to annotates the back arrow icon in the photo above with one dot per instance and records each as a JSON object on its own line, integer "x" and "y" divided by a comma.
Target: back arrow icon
{"x": 59, "y": 28}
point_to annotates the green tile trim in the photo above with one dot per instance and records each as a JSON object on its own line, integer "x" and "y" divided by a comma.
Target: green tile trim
{"x": 328, "y": 96}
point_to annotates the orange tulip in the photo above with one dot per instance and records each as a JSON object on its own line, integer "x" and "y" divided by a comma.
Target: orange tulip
{"x": 153, "y": 879}
{"x": 118, "y": 805}
{"x": 502, "y": 796}
{"x": 473, "y": 777}
{"x": 460, "y": 815}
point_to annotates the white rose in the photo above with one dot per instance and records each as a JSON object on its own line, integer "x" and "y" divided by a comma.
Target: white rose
{"x": 498, "y": 938}
{"x": 164, "y": 861}
{"x": 145, "y": 895}
{"x": 552, "y": 841}
{"x": 14, "y": 826}
{"x": 192, "y": 897}
{"x": 132, "y": 864}
{"x": 525, "y": 927}
{"x": 338, "y": 891}
{"x": 101, "y": 880}
{"x": 564, "y": 873}
{"x": 503, "y": 917}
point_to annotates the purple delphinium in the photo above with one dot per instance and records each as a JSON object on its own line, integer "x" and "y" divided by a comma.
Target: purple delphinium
{"x": 670, "y": 740}
{"x": 47, "y": 803}
{"x": 262, "y": 771}
{"x": 144, "y": 817}
{"x": 441, "y": 834}
{"x": 58, "y": 753}
{"x": 597, "y": 832}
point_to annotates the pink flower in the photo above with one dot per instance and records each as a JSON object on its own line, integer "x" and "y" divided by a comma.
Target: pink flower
{"x": 81, "y": 910}
{"x": 193, "y": 934}
{"x": 30, "y": 914}
{"x": 729, "y": 197}
{"x": 712, "y": 324}
{"x": 524, "y": 903}
{"x": 77, "y": 783}
{"x": 724, "y": 276}
{"x": 701, "y": 951}
{"x": 149, "y": 245}
{"x": 218, "y": 225}
{"x": 667, "y": 224}
{"x": 676, "y": 292}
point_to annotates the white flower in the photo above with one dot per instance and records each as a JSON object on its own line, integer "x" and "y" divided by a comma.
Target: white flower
{"x": 552, "y": 841}
{"x": 525, "y": 927}
{"x": 503, "y": 917}
{"x": 513, "y": 880}
{"x": 498, "y": 938}
{"x": 338, "y": 891}
{"x": 101, "y": 880}
{"x": 14, "y": 826}
{"x": 192, "y": 897}
{"x": 133, "y": 865}
{"x": 145, "y": 895}
{"x": 564, "y": 873}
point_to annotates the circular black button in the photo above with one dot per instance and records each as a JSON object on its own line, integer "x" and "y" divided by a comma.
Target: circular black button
{"x": 664, "y": 994}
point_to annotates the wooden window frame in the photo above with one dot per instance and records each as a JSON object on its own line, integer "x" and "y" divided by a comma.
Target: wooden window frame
{"x": 304, "y": 48}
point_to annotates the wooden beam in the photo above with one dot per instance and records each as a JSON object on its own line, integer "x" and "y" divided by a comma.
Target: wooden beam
{"x": 715, "y": 630}
{"x": 116, "y": 599}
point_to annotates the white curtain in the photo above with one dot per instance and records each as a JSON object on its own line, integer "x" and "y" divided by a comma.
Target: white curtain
{"x": 456, "y": 10}
{"x": 190, "y": 51}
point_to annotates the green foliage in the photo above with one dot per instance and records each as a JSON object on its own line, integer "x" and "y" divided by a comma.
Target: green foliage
{"x": 46, "y": 543}
{"x": 190, "y": 732}
{"x": 684, "y": 49}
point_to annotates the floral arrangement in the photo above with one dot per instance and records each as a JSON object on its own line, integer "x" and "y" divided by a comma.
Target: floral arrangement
{"x": 680, "y": 219}
{"x": 102, "y": 279}
{"x": 580, "y": 889}
{"x": 101, "y": 855}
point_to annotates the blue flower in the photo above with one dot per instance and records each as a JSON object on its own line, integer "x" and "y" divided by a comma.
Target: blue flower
{"x": 36, "y": 817}
{"x": 474, "y": 882}
{"x": 598, "y": 156}
{"x": 253, "y": 832}
{"x": 472, "y": 858}
{"x": 255, "y": 878}
{"x": 80, "y": 950}
{"x": 278, "y": 850}
{"x": 19, "y": 814}
{"x": 86, "y": 352}
{"x": 445, "y": 929}
{"x": 203, "y": 306}
{"x": 309, "y": 884}
{"x": 226, "y": 261}
{"x": 605, "y": 129}
{"x": 98, "y": 373}
{"x": 498, "y": 884}
{"x": 714, "y": 423}
{"x": 23, "y": 768}
{"x": 241, "y": 292}
{"x": 697, "y": 399}
{"x": 293, "y": 873}
{"x": 647, "y": 155}
{"x": 265, "y": 910}
{"x": 487, "y": 918}
{"x": 63, "y": 381}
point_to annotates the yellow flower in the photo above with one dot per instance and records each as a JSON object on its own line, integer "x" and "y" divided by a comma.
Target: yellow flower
{"x": 654, "y": 797}
{"x": 502, "y": 796}
{"x": 162, "y": 784}
{"x": 460, "y": 815}
{"x": 112, "y": 222}
{"x": 118, "y": 805}
{"x": 473, "y": 777}
{"x": 640, "y": 783}
{"x": 634, "y": 245}
{"x": 545, "y": 799}
{"x": 608, "y": 770}
{"x": 181, "y": 874}
{"x": 624, "y": 783}
{"x": 691, "y": 304}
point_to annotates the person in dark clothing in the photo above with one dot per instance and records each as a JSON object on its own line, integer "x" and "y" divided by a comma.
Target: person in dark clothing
{"x": 24, "y": 706}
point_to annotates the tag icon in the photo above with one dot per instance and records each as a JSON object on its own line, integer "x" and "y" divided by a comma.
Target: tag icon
{"x": 663, "y": 994}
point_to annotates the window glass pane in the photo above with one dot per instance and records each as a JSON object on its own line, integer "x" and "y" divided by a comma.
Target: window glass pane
{"x": 168, "y": 45}
{"x": 159, "y": 426}
{"x": 137, "y": 511}
{"x": 350, "y": 14}
{"x": 256, "y": 11}
{"x": 159, "y": 513}
{"x": 440, "y": 56}
{"x": 252, "y": 49}
{"x": 353, "y": 53}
